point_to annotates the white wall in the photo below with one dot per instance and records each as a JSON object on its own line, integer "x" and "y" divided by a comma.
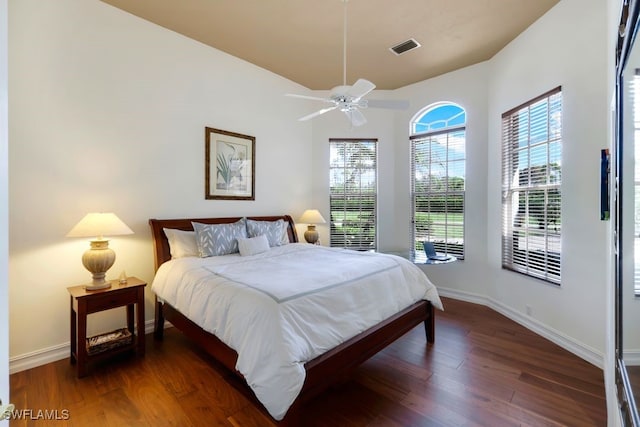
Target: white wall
{"x": 108, "y": 114}
{"x": 466, "y": 87}
{"x": 4, "y": 212}
{"x": 336, "y": 125}
{"x": 548, "y": 54}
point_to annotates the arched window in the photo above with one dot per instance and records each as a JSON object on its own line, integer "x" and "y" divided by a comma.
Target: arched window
{"x": 438, "y": 180}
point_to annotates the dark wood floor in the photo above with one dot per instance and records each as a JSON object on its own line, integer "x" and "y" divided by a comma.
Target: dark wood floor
{"x": 483, "y": 370}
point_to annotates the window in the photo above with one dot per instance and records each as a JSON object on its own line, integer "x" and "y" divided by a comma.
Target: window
{"x": 438, "y": 180}
{"x": 531, "y": 180}
{"x": 353, "y": 193}
{"x": 635, "y": 97}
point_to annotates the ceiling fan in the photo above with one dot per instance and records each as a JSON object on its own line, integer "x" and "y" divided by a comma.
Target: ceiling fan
{"x": 349, "y": 99}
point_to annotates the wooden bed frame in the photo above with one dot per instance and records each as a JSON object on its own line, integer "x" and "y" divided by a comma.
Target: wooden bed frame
{"x": 322, "y": 371}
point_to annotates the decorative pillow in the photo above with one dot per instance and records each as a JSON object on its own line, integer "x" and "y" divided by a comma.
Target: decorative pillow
{"x": 219, "y": 239}
{"x": 276, "y": 231}
{"x": 253, "y": 245}
{"x": 181, "y": 243}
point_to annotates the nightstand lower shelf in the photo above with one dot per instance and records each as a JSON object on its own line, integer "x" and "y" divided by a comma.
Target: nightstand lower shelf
{"x": 104, "y": 354}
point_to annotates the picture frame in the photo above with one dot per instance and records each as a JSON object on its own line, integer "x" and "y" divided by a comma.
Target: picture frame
{"x": 229, "y": 165}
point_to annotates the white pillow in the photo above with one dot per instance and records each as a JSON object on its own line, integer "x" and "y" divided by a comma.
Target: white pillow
{"x": 253, "y": 245}
{"x": 181, "y": 243}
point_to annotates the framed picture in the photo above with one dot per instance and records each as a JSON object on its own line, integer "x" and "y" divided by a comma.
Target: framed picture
{"x": 230, "y": 162}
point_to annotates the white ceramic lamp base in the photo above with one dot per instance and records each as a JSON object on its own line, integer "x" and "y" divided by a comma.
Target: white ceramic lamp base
{"x": 98, "y": 260}
{"x": 311, "y": 235}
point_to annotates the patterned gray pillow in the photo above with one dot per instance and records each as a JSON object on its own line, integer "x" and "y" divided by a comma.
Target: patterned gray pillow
{"x": 276, "y": 231}
{"x": 219, "y": 239}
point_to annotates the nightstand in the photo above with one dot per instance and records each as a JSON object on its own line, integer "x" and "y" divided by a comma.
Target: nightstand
{"x": 85, "y": 302}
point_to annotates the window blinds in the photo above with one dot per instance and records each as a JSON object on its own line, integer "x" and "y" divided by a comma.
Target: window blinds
{"x": 353, "y": 193}
{"x": 634, "y": 89}
{"x": 437, "y": 191}
{"x": 531, "y": 184}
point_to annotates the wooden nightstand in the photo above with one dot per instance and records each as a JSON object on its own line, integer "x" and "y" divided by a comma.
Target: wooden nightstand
{"x": 85, "y": 302}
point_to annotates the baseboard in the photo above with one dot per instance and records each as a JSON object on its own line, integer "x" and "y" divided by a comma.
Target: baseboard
{"x": 631, "y": 357}
{"x": 581, "y": 350}
{"x": 51, "y": 354}
{"x": 38, "y": 358}
{"x": 61, "y": 351}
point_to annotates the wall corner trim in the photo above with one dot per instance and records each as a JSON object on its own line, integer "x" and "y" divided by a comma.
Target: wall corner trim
{"x": 581, "y": 350}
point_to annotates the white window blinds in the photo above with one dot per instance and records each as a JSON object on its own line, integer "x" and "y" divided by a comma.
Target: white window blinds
{"x": 634, "y": 90}
{"x": 353, "y": 193}
{"x": 437, "y": 191}
{"x": 531, "y": 183}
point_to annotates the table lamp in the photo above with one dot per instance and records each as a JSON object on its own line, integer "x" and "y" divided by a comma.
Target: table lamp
{"x": 99, "y": 257}
{"x": 311, "y": 217}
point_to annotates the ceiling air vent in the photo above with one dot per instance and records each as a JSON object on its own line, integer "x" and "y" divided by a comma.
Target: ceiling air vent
{"x": 405, "y": 46}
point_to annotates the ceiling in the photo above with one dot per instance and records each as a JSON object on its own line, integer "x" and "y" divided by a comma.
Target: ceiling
{"x": 302, "y": 40}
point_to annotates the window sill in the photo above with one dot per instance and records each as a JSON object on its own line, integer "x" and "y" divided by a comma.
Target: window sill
{"x": 421, "y": 260}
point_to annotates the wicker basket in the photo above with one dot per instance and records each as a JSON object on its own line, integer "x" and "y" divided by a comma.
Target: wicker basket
{"x": 108, "y": 341}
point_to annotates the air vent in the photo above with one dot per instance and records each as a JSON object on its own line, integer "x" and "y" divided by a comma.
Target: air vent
{"x": 404, "y": 46}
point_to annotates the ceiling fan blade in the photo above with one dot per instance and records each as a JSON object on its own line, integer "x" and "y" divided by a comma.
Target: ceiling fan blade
{"x": 391, "y": 104}
{"x": 356, "y": 117}
{"x": 313, "y": 98}
{"x": 360, "y": 89}
{"x": 317, "y": 113}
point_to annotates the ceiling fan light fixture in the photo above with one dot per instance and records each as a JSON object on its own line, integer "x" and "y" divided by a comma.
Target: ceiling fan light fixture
{"x": 349, "y": 99}
{"x": 405, "y": 46}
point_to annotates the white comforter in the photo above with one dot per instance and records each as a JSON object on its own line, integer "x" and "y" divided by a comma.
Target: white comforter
{"x": 282, "y": 308}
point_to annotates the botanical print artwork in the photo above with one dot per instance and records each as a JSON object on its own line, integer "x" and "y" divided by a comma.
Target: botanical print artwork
{"x": 231, "y": 166}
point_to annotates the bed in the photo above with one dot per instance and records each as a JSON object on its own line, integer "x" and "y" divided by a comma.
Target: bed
{"x": 320, "y": 366}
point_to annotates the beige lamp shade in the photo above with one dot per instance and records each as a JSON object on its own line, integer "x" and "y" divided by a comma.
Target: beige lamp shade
{"x": 99, "y": 258}
{"x": 311, "y": 217}
{"x": 99, "y": 225}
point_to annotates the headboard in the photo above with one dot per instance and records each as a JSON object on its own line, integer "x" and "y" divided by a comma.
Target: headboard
{"x": 161, "y": 244}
